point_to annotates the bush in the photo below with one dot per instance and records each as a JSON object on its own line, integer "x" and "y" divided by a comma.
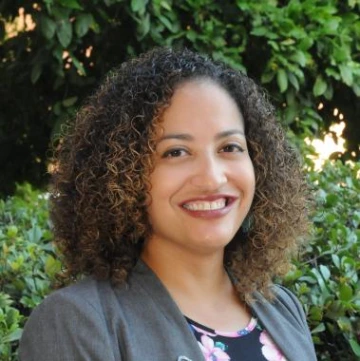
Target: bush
{"x": 10, "y": 329}
{"x": 326, "y": 281}
{"x": 27, "y": 262}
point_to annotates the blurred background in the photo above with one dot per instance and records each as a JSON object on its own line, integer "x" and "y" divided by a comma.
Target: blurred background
{"x": 305, "y": 53}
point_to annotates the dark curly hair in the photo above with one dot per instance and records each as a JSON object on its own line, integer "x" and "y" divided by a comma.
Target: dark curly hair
{"x": 100, "y": 186}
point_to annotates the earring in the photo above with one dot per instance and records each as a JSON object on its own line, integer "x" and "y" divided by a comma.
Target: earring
{"x": 247, "y": 223}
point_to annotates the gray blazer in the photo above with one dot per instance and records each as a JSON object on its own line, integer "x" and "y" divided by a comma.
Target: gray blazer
{"x": 139, "y": 321}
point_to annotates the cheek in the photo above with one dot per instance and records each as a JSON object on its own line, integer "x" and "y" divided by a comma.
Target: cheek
{"x": 162, "y": 187}
{"x": 252, "y": 178}
{"x": 166, "y": 181}
{"x": 245, "y": 175}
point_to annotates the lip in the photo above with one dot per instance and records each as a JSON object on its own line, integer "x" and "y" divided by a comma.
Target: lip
{"x": 211, "y": 213}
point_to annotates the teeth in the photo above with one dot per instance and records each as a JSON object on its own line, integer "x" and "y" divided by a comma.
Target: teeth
{"x": 206, "y": 206}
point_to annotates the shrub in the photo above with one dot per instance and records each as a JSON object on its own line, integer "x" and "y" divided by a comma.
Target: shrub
{"x": 27, "y": 262}
{"x": 327, "y": 280}
{"x": 10, "y": 329}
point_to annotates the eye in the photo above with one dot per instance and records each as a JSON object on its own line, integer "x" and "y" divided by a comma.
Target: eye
{"x": 174, "y": 153}
{"x": 232, "y": 148}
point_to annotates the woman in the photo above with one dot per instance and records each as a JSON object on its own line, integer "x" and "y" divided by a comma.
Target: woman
{"x": 179, "y": 200}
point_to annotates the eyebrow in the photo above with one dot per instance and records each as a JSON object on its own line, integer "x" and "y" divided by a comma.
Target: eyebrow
{"x": 188, "y": 137}
{"x": 228, "y": 133}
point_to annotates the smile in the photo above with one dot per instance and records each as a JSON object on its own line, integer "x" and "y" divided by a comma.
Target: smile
{"x": 205, "y": 205}
{"x": 209, "y": 207}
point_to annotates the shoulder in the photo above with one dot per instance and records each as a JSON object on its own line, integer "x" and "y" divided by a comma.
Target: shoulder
{"x": 86, "y": 295}
{"x": 287, "y": 299}
{"x": 64, "y": 318}
{"x": 87, "y": 298}
{"x": 284, "y": 306}
{"x": 283, "y": 317}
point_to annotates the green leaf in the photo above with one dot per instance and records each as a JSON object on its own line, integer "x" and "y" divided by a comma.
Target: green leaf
{"x": 355, "y": 347}
{"x": 319, "y": 328}
{"x": 36, "y": 72}
{"x": 48, "y": 27}
{"x": 64, "y": 33}
{"x": 319, "y": 86}
{"x": 356, "y": 89}
{"x": 325, "y": 272}
{"x": 71, "y": 4}
{"x": 274, "y": 45}
{"x": 344, "y": 323}
{"x": 143, "y": 27}
{"x": 110, "y": 2}
{"x": 321, "y": 282}
{"x": 52, "y": 266}
{"x": 329, "y": 92}
{"x": 333, "y": 73}
{"x": 352, "y": 4}
{"x": 297, "y": 33}
{"x": 79, "y": 66}
{"x": 294, "y": 81}
{"x": 331, "y": 201}
{"x": 61, "y": 13}
{"x": 34, "y": 234}
{"x": 83, "y": 23}
{"x": 58, "y": 53}
{"x": 332, "y": 24}
{"x": 288, "y": 41}
{"x": 299, "y": 57}
{"x": 290, "y": 114}
{"x": 267, "y": 77}
{"x": 69, "y": 101}
{"x": 306, "y": 43}
{"x": 282, "y": 80}
{"x": 346, "y": 74}
{"x": 139, "y": 6}
{"x": 316, "y": 313}
{"x": 168, "y": 24}
{"x": 346, "y": 292}
{"x": 12, "y": 231}
{"x": 260, "y": 31}
{"x": 13, "y": 336}
{"x": 341, "y": 54}
{"x": 293, "y": 275}
{"x": 165, "y": 5}
{"x": 336, "y": 260}
{"x": 57, "y": 108}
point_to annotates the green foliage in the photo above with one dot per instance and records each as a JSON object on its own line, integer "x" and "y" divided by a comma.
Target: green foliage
{"x": 328, "y": 281}
{"x": 27, "y": 262}
{"x": 303, "y": 51}
{"x": 10, "y": 330}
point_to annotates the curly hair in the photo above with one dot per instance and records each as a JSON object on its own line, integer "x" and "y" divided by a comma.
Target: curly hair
{"x": 100, "y": 188}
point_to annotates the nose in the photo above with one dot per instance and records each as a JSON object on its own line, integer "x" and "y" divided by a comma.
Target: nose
{"x": 209, "y": 173}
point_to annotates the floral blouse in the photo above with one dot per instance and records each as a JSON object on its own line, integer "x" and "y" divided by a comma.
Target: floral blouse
{"x": 252, "y": 343}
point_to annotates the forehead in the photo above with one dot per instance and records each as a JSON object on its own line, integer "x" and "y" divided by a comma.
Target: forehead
{"x": 201, "y": 104}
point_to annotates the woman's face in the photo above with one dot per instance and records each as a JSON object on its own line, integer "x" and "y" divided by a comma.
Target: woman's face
{"x": 203, "y": 182}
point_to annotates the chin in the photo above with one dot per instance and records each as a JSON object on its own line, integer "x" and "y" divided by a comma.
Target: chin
{"x": 211, "y": 242}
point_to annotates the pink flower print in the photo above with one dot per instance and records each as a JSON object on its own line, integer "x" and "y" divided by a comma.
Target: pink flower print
{"x": 270, "y": 350}
{"x": 210, "y": 351}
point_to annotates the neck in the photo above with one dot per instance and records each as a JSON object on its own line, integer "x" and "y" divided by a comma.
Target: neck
{"x": 190, "y": 274}
{"x": 199, "y": 285}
